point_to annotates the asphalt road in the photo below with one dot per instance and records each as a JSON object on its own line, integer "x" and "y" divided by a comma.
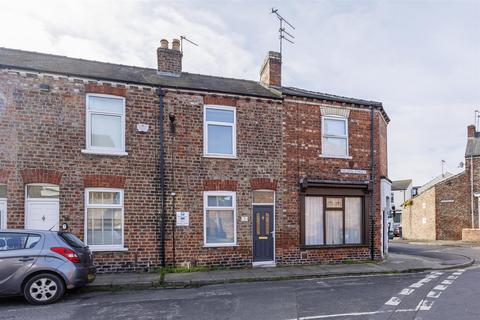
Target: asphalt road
{"x": 447, "y": 295}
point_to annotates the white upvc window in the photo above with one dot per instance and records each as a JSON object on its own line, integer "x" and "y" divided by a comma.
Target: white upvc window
{"x": 219, "y": 219}
{"x": 3, "y": 206}
{"x": 334, "y": 136}
{"x": 105, "y": 124}
{"x": 104, "y": 221}
{"x": 219, "y": 131}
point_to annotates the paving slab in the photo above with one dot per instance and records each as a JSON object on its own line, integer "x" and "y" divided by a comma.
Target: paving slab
{"x": 394, "y": 263}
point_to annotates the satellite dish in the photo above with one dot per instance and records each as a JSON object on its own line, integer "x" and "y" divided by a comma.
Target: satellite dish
{"x": 461, "y": 165}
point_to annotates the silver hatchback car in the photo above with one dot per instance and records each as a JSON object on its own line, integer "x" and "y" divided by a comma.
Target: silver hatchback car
{"x": 41, "y": 265}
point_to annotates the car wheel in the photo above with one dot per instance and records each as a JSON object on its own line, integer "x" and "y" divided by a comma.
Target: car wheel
{"x": 43, "y": 289}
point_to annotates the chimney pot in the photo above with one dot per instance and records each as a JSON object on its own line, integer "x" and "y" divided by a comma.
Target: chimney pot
{"x": 176, "y": 44}
{"x": 471, "y": 131}
{"x": 164, "y": 44}
{"x": 271, "y": 71}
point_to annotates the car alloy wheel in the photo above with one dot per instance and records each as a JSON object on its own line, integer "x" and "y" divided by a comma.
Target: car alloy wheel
{"x": 44, "y": 289}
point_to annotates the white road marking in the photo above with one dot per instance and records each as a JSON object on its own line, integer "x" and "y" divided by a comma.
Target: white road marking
{"x": 447, "y": 282}
{"x": 432, "y": 276}
{"x": 416, "y": 285}
{"x": 437, "y": 273}
{"x": 452, "y": 277}
{"x": 426, "y": 305}
{"x": 434, "y": 294}
{"x": 394, "y": 301}
{"x": 353, "y": 314}
{"x": 406, "y": 292}
{"x": 457, "y": 273}
{"x": 440, "y": 287}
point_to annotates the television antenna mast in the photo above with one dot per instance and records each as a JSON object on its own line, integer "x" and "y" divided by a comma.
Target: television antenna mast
{"x": 185, "y": 38}
{"x": 283, "y": 33}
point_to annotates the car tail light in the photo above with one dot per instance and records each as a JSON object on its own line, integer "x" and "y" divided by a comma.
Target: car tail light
{"x": 67, "y": 253}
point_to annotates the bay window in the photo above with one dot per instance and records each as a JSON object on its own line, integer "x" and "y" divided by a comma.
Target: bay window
{"x": 104, "y": 219}
{"x": 219, "y": 219}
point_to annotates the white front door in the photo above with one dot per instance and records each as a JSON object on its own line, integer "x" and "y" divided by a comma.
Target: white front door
{"x": 42, "y": 215}
{"x": 3, "y": 214}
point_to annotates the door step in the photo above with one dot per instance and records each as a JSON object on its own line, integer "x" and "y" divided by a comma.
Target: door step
{"x": 264, "y": 264}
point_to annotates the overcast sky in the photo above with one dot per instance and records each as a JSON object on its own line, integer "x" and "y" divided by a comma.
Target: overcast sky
{"x": 420, "y": 58}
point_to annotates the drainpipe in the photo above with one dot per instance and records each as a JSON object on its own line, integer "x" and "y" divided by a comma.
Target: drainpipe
{"x": 173, "y": 194}
{"x": 471, "y": 194}
{"x": 372, "y": 178}
{"x": 161, "y": 95}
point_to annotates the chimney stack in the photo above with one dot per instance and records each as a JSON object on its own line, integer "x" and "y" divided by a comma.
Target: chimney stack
{"x": 471, "y": 131}
{"x": 271, "y": 71}
{"x": 169, "y": 60}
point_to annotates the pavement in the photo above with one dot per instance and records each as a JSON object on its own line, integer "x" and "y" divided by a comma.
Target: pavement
{"x": 394, "y": 263}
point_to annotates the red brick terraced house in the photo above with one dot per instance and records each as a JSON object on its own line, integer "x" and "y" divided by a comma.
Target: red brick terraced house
{"x": 156, "y": 167}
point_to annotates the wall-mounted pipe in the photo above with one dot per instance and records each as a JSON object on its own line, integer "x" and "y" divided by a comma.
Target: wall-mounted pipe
{"x": 161, "y": 95}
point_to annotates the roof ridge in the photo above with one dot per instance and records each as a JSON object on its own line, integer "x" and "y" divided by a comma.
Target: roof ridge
{"x": 331, "y": 95}
{"x": 79, "y": 59}
{"x": 122, "y": 65}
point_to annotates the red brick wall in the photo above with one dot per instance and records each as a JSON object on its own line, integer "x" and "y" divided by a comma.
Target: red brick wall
{"x": 189, "y": 173}
{"x": 302, "y": 150}
{"x": 41, "y": 138}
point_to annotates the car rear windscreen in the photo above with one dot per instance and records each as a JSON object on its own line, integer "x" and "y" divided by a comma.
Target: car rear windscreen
{"x": 71, "y": 239}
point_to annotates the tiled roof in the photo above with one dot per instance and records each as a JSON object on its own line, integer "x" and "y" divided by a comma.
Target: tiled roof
{"x": 330, "y": 97}
{"x": 40, "y": 62}
{"x": 49, "y": 63}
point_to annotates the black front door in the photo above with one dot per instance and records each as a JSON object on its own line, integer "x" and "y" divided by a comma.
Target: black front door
{"x": 263, "y": 233}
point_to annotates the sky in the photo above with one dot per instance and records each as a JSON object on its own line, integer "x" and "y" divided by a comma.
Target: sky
{"x": 421, "y": 59}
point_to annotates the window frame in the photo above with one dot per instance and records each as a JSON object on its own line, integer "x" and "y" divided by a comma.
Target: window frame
{"x": 363, "y": 226}
{"x": 325, "y": 136}
{"x": 114, "y": 247}
{"x": 233, "y": 125}
{"x": 88, "y": 126}
{"x": 206, "y": 208}
{"x": 3, "y": 217}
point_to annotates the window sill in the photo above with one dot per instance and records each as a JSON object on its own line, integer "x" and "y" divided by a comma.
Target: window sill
{"x": 107, "y": 249}
{"x": 220, "y": 245}
{"x": 105, "y": 152}
{"x": 219, "y": 156}
{"x": 335, "y": 157}
{"x": 333, "y": 246}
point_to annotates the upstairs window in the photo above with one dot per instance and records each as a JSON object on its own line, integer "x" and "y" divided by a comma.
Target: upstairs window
{"x": 335, "y": 137}
{"x": 220, "y": 131}
{"x": 105, "y": 124}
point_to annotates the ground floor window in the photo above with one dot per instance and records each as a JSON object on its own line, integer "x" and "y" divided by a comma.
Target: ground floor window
{"x": 104, "y": 223}
{"x": 3, "y": 206}
{"x": 333, "y": 220}
{"x": 219, "y": 219}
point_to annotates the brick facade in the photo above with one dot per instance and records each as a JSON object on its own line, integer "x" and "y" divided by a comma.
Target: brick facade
{"x": 279, "y": 142}
{"x": 41, "y": 138}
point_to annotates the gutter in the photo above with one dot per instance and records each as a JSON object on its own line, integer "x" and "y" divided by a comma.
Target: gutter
{"x": 161, "y": 95}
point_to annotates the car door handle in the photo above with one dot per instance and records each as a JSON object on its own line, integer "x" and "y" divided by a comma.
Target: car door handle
{"x": 25, "y": 259}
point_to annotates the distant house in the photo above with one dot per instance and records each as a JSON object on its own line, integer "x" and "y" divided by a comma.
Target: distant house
{"x": 401, "y": 192}
{"x": 448, "y": 204}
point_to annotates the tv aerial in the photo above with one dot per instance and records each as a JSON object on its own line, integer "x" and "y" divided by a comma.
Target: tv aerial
{"x": 283, "y": 33}
{"x": 188, "y": 40}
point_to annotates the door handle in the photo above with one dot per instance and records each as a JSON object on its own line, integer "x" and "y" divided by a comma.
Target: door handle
{"x": 25, "y": 259}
